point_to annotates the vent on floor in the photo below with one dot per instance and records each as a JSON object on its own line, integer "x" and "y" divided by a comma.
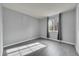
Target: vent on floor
{"x": 25, "y": 49}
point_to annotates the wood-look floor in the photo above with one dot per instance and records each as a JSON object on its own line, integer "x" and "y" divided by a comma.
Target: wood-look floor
{"x": 53, "y": 48}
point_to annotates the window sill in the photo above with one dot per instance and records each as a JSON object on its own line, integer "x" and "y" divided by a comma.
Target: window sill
{"x": 53, "y": 32}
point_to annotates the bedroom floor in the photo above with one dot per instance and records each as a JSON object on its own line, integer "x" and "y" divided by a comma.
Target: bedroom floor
{"x": 53, "y": 48}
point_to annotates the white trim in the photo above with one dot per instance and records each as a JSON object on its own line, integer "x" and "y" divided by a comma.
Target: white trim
{"x": 77, "y": 12}
{"x": 77, "y": 50}
{"x": 20, "y": 42}
{"x": 60, "y": 41}
{"x": 68, "y": 42}
{"x": 36, "y": 38}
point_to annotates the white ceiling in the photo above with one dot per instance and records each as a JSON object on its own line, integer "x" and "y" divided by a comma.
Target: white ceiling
{"x": 40, "y": 10}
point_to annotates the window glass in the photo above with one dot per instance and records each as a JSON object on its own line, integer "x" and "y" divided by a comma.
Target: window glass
{"x": 53, "y": 24}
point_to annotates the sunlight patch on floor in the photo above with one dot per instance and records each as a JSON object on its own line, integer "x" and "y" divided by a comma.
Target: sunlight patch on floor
{"x": 25, "y": 49}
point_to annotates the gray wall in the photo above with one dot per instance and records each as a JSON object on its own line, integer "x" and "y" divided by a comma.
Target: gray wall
{"x": 18, "y": 27}
{"x": 1, "y": 32}
{"x": 43, "y": 27}
{"x": 68, "y": 27}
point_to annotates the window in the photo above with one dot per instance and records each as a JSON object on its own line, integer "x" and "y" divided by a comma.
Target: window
{"x": 53, "y": 24}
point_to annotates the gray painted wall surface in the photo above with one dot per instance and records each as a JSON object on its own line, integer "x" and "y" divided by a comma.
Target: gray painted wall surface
{"x": 1, "y": 32}
{"x": 43, "y": 27}
{"x": 18, "y": 27}
{"x": 68, "y": 27}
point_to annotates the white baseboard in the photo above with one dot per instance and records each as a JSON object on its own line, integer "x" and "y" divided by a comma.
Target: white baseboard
{"x": 77, "y": 50}
{"x": 36, "y": 38}
{"x": 20, "y": 41}
{"x": 68, "y": 42}
{"x": 60, "y": 41}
